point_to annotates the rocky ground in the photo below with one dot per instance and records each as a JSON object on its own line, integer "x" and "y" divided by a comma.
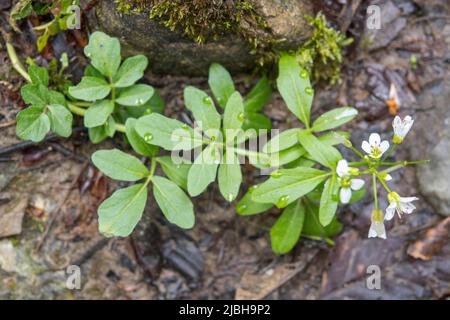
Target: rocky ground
{"x": 49, "y": 193}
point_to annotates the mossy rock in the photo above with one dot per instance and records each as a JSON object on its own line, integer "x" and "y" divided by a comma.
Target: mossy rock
{"x": 282, "y": 26}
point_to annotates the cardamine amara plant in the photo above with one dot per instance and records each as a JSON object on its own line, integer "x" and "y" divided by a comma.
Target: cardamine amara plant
{"x": 308, "y": 179}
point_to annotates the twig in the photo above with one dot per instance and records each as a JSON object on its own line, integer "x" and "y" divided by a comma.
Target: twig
{"x": 26, "y": 144}
{"x": 7, "y": 124}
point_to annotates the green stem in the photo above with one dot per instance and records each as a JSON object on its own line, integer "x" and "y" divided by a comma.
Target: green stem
{"x": 17, "y": 65}
{"x": 404, "y": 163}
{"x": 152, "y": 167}
{"x": 388, "y": 153}
{"x": 374, "y": 186}
{"x": 357, "y": 152}
{"x": 357, "y": 163}
{"x": 382, "y": 182}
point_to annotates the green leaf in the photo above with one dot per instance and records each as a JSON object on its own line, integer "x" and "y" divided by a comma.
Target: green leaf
{"x": 97, "y": 114}
{"x": 55, "y": 97}
{"x": 90, "y": 89}
{"x": 32, "y": 124}
{"x": 286, "y": 156}
{"x": 334, "y": 118}
{"x": 312, "y": 227}
{"x": 204, "y": 170}
{"x": 119, "y": 165}
{"x": 34, "y": 94}
{"x": 136, "y": 141}
{"x": 61, "y": 120}
{"x": 328, "y": 202}
{"x": 230, "y": 176}
{"x": 97, "y": 134}
{"x": 319, "y": 151}
{"x": 90, "y": 71}
{"x": 256, "y": 121}
{"x": 136, "y": 95}
{"x": 104, "y": 53}
{"x": 259, "y": 96}
{"x": 178, "y": 173}
{"x": 156, "y": 103}
{"x": 119, "y": 214}
{"x": 234, "y": 113}
{"x": 174, "y": 203}
{"x": 38, "y": 75}
{"x": 131, "y": 70}
{"x": 283, "y": 141}
{"x": 288, "y": 185}
{"x": 285, "y": 233}
{"x": 221, "y": 83}
{"x": 169, "y": 134}
{"x": 246, "y": 206}
{"x": 295, "y": 89}
{"x": 202, "y": 108}
{"x": 110, "y": 126}
{"x": 22, "y": 9}
{"x": 42, "y": 41}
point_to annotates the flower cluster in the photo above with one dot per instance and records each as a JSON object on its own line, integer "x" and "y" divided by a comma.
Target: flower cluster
{"x": 377, "y": 152}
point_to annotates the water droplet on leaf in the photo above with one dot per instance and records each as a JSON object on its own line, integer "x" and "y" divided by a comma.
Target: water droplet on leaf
{"x": 148, "y": 137}
{"x": 207, "y": 100}
{"x": 309, "y": 90}
{"x": 304, "y": 74}
{"x": 253, "y": 188}
{"x": 230, "y": 197}
{"x": 241, "y": 208}
{"x": 282, "y": 202}
{"x": 275, "y": 174}
{"x": 241, "y": 117}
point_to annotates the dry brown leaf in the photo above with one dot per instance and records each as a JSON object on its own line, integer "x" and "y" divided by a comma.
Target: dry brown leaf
{"x": 431, "y": 242}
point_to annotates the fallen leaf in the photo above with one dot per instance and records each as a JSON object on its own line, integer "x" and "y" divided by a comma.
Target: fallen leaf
{"x": 431, "y": 242}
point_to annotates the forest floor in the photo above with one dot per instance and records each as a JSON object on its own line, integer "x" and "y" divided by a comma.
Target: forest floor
{"x": 49, "y": 192}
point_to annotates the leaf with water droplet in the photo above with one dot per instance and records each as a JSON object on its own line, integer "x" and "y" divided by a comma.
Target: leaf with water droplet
{"x": 135, "y": 95}
{"x": 230, "y": 176}
{"x": 282, "y": 202}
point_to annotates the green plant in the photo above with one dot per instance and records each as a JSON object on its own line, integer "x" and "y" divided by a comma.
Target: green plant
{"x": 63, "y": 17}
{"x": 321, "y": 54}
{"x": 310, "y": 177}
{"x": 310, "y": 195}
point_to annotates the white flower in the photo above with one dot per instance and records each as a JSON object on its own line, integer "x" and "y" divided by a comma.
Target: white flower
{"x": 377, "y": 228}
{"x": 401, "y": 128}
{"x": 399, "y": 204}
{"x": 347, "y": 184}
{"x": 375, "y": 147}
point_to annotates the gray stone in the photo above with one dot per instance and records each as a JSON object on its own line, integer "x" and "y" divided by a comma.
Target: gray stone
{"x": 431, "y": 140}
{"x": 170, "y": 52}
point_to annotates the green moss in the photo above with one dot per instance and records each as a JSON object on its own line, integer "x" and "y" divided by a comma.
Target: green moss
{"x": 201, "y": 20}
{"x": 322, "y": 53}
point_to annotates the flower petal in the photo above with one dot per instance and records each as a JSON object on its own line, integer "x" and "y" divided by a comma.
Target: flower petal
{"x": 384, "y": 146}
{"x": 390, "y": 211}
{"x": 397, "y": 123}
{"x": 374, "y": 139}
{"x": 342, "y": 168}
{"x": 357, "y": 184}
{"x": 408, "y": 199}
{"x": 387, "y": 177}
{"x": 345, "y": 195}
{"x": 407, "y": 207}
{"x": 377, "y": 229}
{"x": 366, "y": 147}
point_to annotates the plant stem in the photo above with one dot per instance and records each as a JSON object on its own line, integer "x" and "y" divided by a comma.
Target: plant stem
{"x": 382, "y": 182}
{"x": 357, "y": 152}
{"x": 152, "y": 167}
{"x": 388, "y": 153}
{"x": 404, "y": 163}
{"x": 374, "y": 186}
{"x": 17, "y": 65}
